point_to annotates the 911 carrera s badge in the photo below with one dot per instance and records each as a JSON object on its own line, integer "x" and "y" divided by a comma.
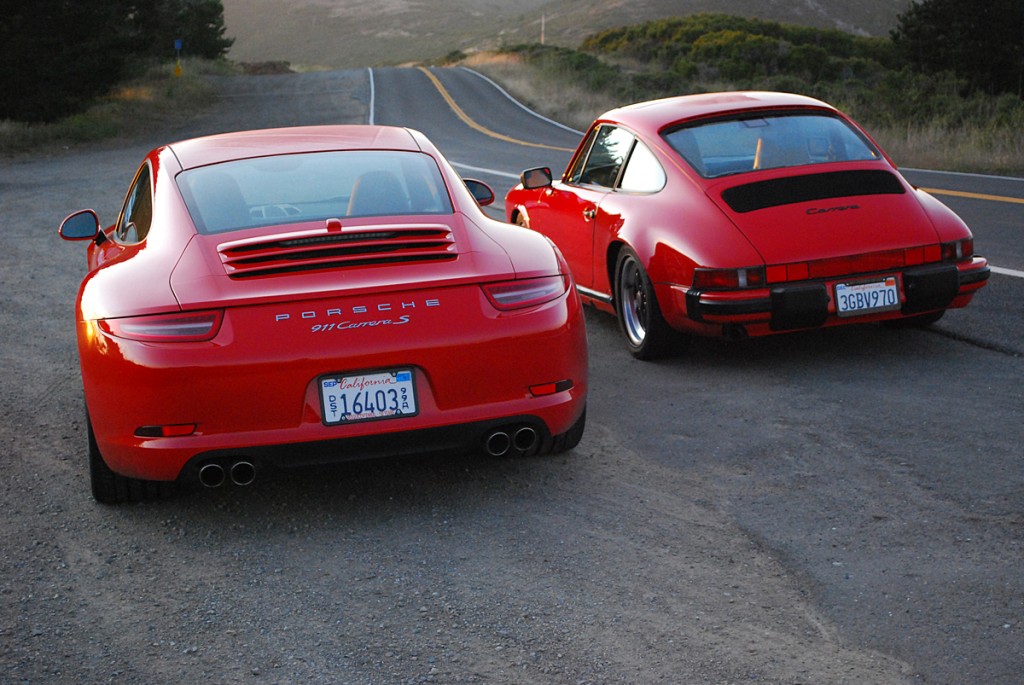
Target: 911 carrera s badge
{"x": 368, "y": 396}
{"x": 348, "y": 325}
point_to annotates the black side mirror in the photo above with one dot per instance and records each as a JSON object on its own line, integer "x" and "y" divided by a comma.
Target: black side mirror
{"x": 536, "y": 178}
{"x": 83, "y": 225}
{"x": 482, "y": 192}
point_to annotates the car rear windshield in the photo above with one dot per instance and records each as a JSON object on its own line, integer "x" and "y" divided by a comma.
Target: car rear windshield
{"x": 736, "y": 145}
{"x": 266, "y": 191}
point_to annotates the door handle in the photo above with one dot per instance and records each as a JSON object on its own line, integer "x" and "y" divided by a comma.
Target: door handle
{"x": 589, "y": 214}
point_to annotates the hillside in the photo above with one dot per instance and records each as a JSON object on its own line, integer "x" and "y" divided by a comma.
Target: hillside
{"x": 358, "y": 33}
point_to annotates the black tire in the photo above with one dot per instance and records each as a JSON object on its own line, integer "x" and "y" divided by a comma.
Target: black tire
{"x": 647, "y": 334}
{"x": 570, "y": 438}
{"x": 112, "y": 488}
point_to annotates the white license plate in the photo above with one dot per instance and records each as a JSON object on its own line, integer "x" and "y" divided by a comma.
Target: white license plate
{"x": 853, "y": 299}
{"x": 368, "y": 396}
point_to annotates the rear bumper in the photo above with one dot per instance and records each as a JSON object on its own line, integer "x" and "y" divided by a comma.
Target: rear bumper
{"x": 252, "y": 392}
{"x": 793, "y": 306}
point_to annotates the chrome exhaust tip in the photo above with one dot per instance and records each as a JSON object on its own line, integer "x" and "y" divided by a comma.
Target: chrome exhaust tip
{"x": 212, "y": 475}
{"x": 525, "y": 439}
{"x": 243, "y": 473}
{"x": 498, "y": 443}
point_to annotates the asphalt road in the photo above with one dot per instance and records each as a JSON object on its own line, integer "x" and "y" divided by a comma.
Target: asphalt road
{"x": 832, "y": 507}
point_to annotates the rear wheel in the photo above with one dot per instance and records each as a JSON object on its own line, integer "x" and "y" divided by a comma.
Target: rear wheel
{"x": 647, "y": 334}
{"x": 112, "y": 488}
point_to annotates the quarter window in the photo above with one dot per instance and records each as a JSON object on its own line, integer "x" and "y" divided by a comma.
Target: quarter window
{"x": 643, "y": 173}
{"x": 137, "y": 214}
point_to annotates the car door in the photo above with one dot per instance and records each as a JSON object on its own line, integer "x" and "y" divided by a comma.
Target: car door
{"x": 573, "y": 205}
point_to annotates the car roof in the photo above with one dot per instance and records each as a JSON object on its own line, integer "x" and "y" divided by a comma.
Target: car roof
{"x": 225, "y": 147}
{"x": 655, "y": 115}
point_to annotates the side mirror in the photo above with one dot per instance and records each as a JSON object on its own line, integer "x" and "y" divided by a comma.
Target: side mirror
{"x": 83, "y": 225}
{"x": 482, "y": 192}
{"x": 536, "y": 178}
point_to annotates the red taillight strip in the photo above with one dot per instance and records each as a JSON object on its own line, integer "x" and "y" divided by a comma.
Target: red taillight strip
{"x": 178, "y": 327}
{"x": 856, "y": 264}
{"x": 524, "y": 293}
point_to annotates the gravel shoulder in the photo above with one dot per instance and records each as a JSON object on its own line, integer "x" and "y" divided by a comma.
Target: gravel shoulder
{"x": 604, "y": 565}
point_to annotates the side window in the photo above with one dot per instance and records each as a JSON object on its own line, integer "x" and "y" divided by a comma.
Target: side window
{"x": 579, "y": 163}
{"x": 137, "y": 214}
{"x": 643, "y": 173}
{"x": 607, "y": 154}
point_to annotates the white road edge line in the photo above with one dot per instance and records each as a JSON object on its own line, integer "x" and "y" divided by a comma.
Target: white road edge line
{"x": 1006, "y": 272}
{"x": 373, "y": 98}
{"x": 521, "y": 105}
{"x": 962, "y": 173}
{"x": 481, "y": 170}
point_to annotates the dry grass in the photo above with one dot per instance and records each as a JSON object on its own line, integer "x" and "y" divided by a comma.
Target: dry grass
{"x": 156, "y": 100}
{"x": 967, "y": 148}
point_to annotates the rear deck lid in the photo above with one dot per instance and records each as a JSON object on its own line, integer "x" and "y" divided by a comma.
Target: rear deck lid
{"x": 813, "y": 216}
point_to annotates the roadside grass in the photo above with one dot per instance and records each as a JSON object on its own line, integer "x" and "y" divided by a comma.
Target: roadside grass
{"x": 154, "y": 100}
{"x": 990, "y": 141}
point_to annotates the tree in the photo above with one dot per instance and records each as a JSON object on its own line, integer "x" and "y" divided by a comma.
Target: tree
{"x": 980, "y": 42}
{"x": 56, "y": 56}
{"x": 152, "y": 26}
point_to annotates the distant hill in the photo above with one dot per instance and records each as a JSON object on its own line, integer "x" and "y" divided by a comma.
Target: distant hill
{"x": 359, "y": 33}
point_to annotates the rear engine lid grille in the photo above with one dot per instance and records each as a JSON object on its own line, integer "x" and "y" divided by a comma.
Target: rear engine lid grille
{"x": 810, "y": 187}
{"x": 350, "y": 248}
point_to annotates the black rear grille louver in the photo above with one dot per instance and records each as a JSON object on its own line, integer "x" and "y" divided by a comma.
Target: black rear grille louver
{"x": 290, "y": 253}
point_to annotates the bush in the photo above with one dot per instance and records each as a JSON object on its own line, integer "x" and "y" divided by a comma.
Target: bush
{"x": 59, "y": 55}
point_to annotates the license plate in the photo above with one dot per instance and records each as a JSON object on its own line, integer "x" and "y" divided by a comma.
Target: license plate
{"x": 368, "y": 396}
{"x": 853, "y": 299}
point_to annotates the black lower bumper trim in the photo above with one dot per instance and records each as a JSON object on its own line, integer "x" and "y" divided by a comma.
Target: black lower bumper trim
{"x": 460, "y": 439}
{"x": 801, "y": 306}
{"x": 975, "y": 276}
{"x": 930, "y": 287}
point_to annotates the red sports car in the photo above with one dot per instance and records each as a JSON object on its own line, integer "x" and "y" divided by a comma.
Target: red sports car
{"x": 736, "y": 214}
{"x": 305, "y": 295}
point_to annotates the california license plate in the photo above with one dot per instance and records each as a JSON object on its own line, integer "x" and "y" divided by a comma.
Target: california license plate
{"x": 368, "y": 396}
{"x": 868, "y": 297}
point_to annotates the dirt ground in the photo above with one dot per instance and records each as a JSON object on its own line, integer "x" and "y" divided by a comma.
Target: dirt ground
{"x": 609, "y": 564}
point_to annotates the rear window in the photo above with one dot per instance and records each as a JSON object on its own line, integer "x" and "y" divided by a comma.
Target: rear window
{"x": 733, "y": 146}
{"x": 266, "y": 191}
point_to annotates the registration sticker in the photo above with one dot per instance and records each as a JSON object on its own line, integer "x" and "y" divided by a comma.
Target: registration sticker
{"x": 867, "y": 297}
{"x": 373, "y": 396}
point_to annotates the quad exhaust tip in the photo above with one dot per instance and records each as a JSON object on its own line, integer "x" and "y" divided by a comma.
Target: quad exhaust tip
{"x": 514, "y": 440}
{"x": 213, "y": 475}
{"x": 243, "y": 473}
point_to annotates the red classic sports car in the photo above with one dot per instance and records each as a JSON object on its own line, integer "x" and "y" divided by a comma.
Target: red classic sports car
{"x": 736, "y": 214}
{"x": 305, "y": 295}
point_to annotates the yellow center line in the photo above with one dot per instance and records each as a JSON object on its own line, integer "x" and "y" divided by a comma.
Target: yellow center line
{"x": 474, "y": 125}
{"x": 975, "y": 196}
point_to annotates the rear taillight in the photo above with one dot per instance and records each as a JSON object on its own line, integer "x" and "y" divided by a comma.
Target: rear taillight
{"x": 180, "y": 327}
{"x": 722, "y": 279}
{"x": 528, "y": 292}
{"x": 958, "y": 250}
